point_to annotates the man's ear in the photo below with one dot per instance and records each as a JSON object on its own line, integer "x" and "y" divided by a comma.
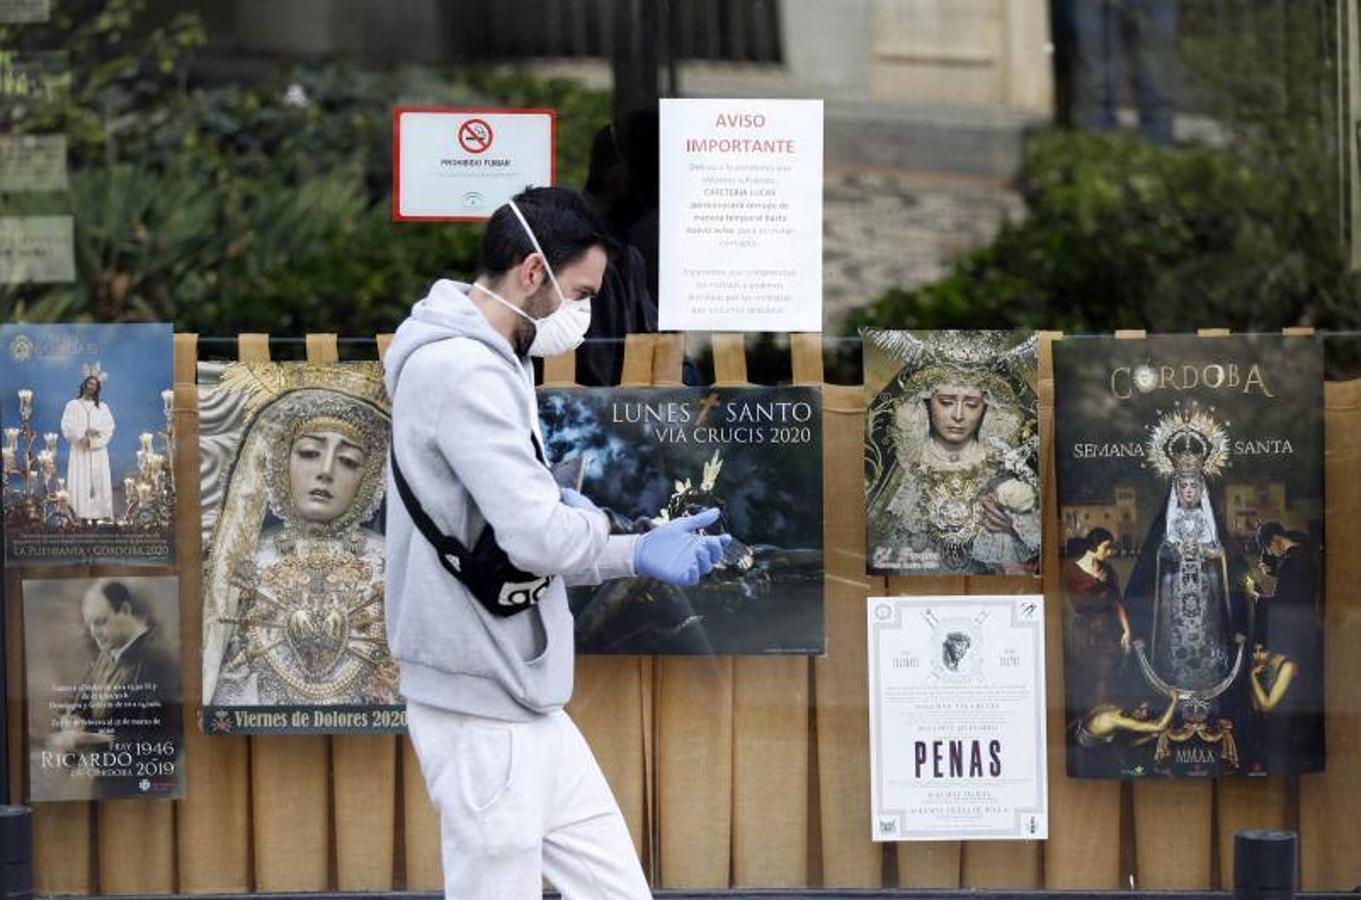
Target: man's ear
{"x": 530, "y": 273}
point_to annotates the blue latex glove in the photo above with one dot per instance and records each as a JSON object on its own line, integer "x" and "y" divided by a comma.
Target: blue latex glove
{"x": 675, "y": 554}
{"x": 578, "y": 500}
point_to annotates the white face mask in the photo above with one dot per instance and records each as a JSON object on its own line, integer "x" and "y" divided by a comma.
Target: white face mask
{"x": 565, "y": 327}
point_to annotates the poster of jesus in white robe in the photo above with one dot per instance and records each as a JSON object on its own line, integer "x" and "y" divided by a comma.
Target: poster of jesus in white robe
{"x": 88, "y": 438}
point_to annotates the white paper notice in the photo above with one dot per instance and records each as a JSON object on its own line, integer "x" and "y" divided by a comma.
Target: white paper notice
{"x": 460, "y": 165}
{"x": 33, "y": 163}
{"x": 741, "y": 215}
{"x": 957, "y": 724}
{"x": 20, "y": 12}
{"x": 37, "y": 250}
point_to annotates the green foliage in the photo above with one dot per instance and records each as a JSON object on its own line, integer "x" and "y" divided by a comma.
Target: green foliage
{"x": 1123, "y": 234}
{"x": 262, "y": 207}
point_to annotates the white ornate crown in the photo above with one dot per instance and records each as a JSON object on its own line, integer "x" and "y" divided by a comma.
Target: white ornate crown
{"x": 1188, "y": 441}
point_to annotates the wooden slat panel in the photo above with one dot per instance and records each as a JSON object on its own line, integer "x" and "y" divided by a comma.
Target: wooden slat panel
{"x": 363, "y": 771}
{"x": 420, "y": 827}
{"x": 1083, "y": 850}
{"x": 1329, "y": 799}
{"x": 62, "y": 848}
{"x": 289, "y": 779}
{"x": 928, "y": 864}
{"x": 610, "y": 694}
{"x": 136, "y": 847}
{"x": 849, "y": 858}
{"x": 213, "y": 817}
{"x": 771, "y": 739}
{"x": 1172, "y": 834}
{"x": 695, "y": 738}
{"x": 1249, "y": 803}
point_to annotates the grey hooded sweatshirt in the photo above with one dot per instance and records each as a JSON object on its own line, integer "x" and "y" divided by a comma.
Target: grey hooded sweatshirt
{"x": 463, "y": 407}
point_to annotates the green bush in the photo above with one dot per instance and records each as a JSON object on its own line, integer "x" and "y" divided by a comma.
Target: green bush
{"x": 262, "y": 207}
{"x": 1123, "y": 234}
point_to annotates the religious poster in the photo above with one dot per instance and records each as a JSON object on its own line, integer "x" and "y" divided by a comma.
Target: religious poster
{"x": 461, "y": 165}
{"x": 951, "y": 453}
{"x": 293, "y": 459}
{"x": 741, "y": 215}
{"x": 1190, "y": 478}
{"x": 957, "y": 718}
{"x": 89, "y": 444}
{"x": 24, "y": 12}
{"x": 31, "y": 81}
{"x": 102, "y": 660}
{"x": 649, "y": 455}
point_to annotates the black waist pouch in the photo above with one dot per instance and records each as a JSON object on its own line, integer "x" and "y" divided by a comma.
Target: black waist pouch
{"x": 485, "y": 570}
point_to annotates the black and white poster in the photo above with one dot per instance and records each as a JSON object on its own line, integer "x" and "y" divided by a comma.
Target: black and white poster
{"x": 102, "y": 660}
{"x": 647, "y": 455}
{"x": 1190, "y": 476}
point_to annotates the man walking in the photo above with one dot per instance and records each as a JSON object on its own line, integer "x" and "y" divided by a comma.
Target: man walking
{"x": 480, "y": 543}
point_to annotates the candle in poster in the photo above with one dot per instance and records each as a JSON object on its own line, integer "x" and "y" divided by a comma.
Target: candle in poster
{"x": 957, "y": 727}
{"x": 102, "y": 659}
{"x": 741, "y": 215}
{"x": 1190, "y": 476}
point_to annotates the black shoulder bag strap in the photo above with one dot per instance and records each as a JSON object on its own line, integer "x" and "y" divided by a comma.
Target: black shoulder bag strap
{"x": 485, "y": 570}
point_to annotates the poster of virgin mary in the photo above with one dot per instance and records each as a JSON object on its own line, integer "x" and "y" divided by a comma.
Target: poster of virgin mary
{"x": 951, "y": 450}
{"x": 293, "y": 462}
{"x": 1190, "y": 478}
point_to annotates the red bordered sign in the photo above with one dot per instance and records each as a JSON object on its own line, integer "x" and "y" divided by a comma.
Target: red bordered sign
{"x": 461, "y": 164}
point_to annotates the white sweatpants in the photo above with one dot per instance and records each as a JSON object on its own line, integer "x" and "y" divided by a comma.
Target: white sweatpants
{"x": 519, "y": 801}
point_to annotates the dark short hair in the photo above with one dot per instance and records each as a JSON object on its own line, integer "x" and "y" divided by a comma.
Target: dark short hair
{"x": 1098, "y": 536}
{"x": 117, "y": 593}
{"x": 566, "y": 224}
{"x": 1268, "y": 531}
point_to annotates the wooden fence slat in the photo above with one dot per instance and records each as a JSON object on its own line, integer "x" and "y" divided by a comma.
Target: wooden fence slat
{"x": 1329, "y": 799}
{"x": 849, "y": 858}
{"x": 213, "y": 817}
{"x": 771, "y": 739}
{"x": 289, "y": 779}
{"x": 1248, "y": 803}
{"x": 695, "y": 738}
{"x": 63, "y": 842}
{"x": 1173, "y": 834}
{"x": 608, "y": 696}
{"x": 363, "y": 771}
{"x": 928, "y": 864}
{"x": 1083, "y": 851}
{"x": 420, "y": 827}
{"x": 136, "y": 846}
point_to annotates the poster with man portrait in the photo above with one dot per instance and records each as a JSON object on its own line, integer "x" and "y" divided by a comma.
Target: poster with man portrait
{"x": 102, "y": 666}
{"x": 293, "y": 459}
{"x": 89, "y": 444}
{"x": 951, "y": 453}
{"x": 1190, "y": 478}
{"x": 649, "y": 455}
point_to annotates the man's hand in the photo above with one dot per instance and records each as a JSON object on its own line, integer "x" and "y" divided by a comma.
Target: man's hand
{"x": 996, "y": 519}
{"x": 675, "y": 554}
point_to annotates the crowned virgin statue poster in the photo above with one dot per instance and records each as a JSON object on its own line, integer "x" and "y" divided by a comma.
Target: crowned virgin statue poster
{"x": 292, "y": 472}
{"x": 1190, "y": 477}
{"x": 951, "y": 450}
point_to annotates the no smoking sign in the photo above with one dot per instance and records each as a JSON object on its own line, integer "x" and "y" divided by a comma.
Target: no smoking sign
{"x": 461, "y": 165}
{"x": 475, "y": 136}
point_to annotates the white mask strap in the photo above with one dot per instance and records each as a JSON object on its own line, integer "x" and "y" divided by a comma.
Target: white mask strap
{"x": 538, "y": 249}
